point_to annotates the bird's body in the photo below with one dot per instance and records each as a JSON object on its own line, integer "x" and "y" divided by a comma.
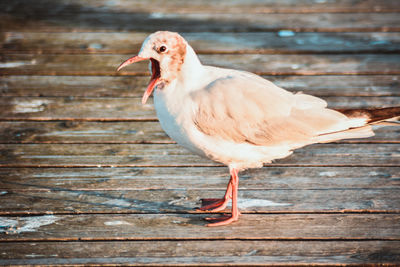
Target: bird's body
{"x": 178, "y": 114}
{"x": 235, "y": 117}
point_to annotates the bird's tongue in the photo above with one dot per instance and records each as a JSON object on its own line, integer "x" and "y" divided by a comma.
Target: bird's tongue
{"x": 155, "y": 76}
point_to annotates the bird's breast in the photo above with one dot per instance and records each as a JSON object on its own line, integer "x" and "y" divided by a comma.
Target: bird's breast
{"x": 174, "y": 118}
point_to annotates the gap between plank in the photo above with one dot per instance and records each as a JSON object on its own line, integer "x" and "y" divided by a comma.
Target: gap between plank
{"x": 294, "y": 239}
{"x": 182, "y": 166}
{"x": 164, "y": 142}
{"x": 201, "y": 52}
{"x": 193, "y": 212}
{"x": 249, "y": 29}
{"x": 17, "y": 72}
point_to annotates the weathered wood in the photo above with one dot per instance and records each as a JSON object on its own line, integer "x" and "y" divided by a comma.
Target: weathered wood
{"x": 58, "y": 200}
{"x": 137, "y": 155}
{"x": 96, "y": 20}
{"x": 29, "y": 64}
{"x": 127, "y": 86}
{"x": 213, "y": 6}
{"x": 201, "y": 252}
{"x": 129, "y": 132}
{"x": 326, "y": 204}
{"x": 343, "y": 195}
{"x": 73, "y": 108}
{"x": 203, "y": 42}
{"x": 109, "y": 109}
{"x": 95, "y": 132}
{"x": 268, "y": 178}
{"x": 191, "y": 226}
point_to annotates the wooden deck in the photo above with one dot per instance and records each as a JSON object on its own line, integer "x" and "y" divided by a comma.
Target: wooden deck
{"x": 87, "y": 176}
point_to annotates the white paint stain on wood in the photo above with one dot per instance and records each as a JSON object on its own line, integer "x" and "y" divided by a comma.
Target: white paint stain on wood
{"x": 17, "y": 64}
{"x": 113, "y": 223}
{"x": 34, "y": 255}
{"x": 328, "y": 174}
{"x": 25, "y": 224}
{"x": 118, "y": 202}
{"x": 12, "y": 37}
{"x": 28, "y": 106}
{"x": 244, "y": 203}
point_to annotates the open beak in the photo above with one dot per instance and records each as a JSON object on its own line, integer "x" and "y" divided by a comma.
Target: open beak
{"x": 155, "y": 74}
{"x": 130, "y": 61}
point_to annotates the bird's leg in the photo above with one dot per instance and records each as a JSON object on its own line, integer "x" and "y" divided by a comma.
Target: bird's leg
{"x": 235, "y": 210}
{"x": 217, "y": 204}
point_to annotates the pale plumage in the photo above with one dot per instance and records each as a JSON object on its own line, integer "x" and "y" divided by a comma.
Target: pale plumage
{"x": 234, "y": 117}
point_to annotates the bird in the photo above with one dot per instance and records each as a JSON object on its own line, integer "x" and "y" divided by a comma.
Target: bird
{"x": 236, "y": 117}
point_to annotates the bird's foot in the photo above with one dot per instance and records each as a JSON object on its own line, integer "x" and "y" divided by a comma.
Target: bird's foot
{"x": 223, "y": 220}
{"x": 220, "y": 204}
{"x": 213, "y": 204}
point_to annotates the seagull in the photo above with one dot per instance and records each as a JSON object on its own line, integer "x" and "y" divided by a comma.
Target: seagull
{"x": 236, "y": 117}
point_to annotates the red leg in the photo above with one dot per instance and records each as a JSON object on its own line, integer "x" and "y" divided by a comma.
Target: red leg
{"x": 216, "y": 204}
{"x": 234, "y": 182}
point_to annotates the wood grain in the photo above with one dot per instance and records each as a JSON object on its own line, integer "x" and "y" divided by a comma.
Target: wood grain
{"x": 203, "y": 42}
{"x": 191, "y": 226}
{"x": 97, "y": 20}
{"x": 31, "y": 64}
{"x": 200, "y": 252}
{"x": 128, "y": 86}
{"x": 138, "y": 155}
{"x": 204, "y": 178}
{"x": 87, "y": 176}
{"x": 38, "y": 200}
{"x": 212, "y": 6}
{"x": 91, "y": 132}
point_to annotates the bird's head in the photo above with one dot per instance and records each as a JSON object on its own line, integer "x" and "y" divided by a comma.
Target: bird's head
{"x": 166, "y": 52}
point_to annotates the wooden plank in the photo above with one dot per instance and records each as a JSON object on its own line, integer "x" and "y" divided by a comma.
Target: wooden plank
{"x": 203, "y": 42}
{"x": 201, "y": 252}
{"x": 29, "y": 64}
{"x": 73, "y": 108}
{"x": 138, "y": 155}
{"x": 95, "y": 132}
{"x": 191, "y": 226}
{"x": 212, "y": 6}
{"x": 38, "y": 18}
{"x": 128, "y": 132}
{"x": 57, "y": 200}
{"x": 158, "y": 190}
{"x": 213, "y": 178}
{"x": 127, "y": 86}
{"x": 109, "y": 109}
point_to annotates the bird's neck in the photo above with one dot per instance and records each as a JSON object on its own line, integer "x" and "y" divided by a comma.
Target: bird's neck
{"x": 192, "y": 70}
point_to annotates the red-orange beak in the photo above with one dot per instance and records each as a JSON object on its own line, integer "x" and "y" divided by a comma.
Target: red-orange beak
{"x": 156, "y": 74}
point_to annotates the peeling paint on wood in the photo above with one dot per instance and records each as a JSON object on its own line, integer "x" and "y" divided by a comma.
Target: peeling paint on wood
{"x": 244, "y": 203}
{"x": 25, "y": 224}
{"x": 30, "y": 106}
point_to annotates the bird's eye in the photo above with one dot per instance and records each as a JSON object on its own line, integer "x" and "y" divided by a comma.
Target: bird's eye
{"x": 162, "y": 49}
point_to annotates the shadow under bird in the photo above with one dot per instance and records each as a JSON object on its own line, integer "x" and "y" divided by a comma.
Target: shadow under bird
{"x": 239, "y": 118}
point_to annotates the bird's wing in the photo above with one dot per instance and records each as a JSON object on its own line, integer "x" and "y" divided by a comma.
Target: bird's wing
{"x": 243, "y": 107}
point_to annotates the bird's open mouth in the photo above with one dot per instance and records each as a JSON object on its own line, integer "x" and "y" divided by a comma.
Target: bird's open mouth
{"x": 155, "y": 77}
{"x": 155, "y": 74}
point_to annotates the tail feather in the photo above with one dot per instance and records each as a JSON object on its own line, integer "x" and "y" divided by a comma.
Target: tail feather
{"x": 372, "y": 115}
{"x": 359, "y": 132}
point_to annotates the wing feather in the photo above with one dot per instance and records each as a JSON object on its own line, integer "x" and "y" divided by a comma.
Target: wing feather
{"x": 243, "y": 107}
